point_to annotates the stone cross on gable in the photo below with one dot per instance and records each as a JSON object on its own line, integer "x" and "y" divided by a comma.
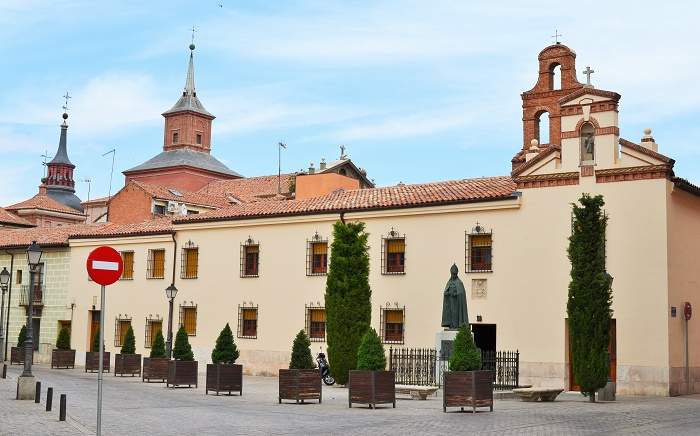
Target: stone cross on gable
{"x": 588, "y": 73}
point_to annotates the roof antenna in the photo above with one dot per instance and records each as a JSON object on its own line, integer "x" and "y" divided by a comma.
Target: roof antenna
{"x": 113, "y": 152}
{"x": 280, "y": 146}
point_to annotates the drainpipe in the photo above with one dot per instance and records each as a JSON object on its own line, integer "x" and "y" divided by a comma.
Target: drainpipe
{"x": 9, "y": 298}
{"x": 174, "y": 256}
{"x": 342, "y": 217}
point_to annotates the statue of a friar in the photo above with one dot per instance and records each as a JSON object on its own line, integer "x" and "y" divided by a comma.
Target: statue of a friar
{"x": 454, "y": 303}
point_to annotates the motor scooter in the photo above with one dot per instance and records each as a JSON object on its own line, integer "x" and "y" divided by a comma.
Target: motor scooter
{"x": 325, "y": 369}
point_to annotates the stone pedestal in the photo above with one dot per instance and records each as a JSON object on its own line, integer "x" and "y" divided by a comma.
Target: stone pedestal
{"x": 26, "y": 387}
{"x": 443, "y": 343}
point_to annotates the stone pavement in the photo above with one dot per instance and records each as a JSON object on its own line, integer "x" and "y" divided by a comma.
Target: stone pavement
{"x": 135, "y": 408}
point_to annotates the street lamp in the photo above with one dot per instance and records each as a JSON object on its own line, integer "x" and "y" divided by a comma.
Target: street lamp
{"x": 4, "y": 281}
{"x": 170, "y": 293}
{"x": 33, "y": 259}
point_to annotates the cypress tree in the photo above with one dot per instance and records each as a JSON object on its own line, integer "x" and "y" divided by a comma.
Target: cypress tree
{"x": 158, "y": 349}
{"x": 301, "y": 352}
{"x": 182, "y": 349}
{"x": 96, "y": 342}
{"x": 225, "y": 350}
{"x": 129, "y": 346}
{"x": 590, "y": 296}
{"x": 22, "y": 337}
{"x": 348, "y": 306}
{"x": 370, "y": 355}
{"x": 63, "y": 340}
{"x": 465, "y": 355}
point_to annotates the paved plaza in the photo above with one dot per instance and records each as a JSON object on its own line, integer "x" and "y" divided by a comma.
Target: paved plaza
{"x": 134, "y": 408}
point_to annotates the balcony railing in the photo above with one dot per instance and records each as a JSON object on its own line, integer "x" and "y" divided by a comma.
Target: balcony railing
{"x": 37, "y": 295}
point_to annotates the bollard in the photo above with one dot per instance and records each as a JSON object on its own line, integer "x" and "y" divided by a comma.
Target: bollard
{"x": 62, "y": 408}
{"x": 37, "y": 393}
{"x": 4, "y": 370}
{"x": 49, "y": 399}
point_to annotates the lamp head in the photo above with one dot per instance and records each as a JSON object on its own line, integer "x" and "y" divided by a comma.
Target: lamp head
{"x": 171, "y": 292}
{"x": 33, "y": 255}
{"x": 4, "y": 278}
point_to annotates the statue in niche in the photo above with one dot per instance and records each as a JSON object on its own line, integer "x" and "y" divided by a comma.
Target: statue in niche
{"x": 454, "y": 302}
{"x": 587, "y": 142}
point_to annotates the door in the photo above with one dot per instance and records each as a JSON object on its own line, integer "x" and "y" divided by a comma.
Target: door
{"x": 485, "y": 336}
{"x": 94, "y": 327}
{"x": 612, "y": 352}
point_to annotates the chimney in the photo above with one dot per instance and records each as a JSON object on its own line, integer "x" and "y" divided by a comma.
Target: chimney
{"x": 312, "y": 170}
{"x": 322, "y": 165}
{"x": 648, "y": 141}
{"x": 533, "y": 151}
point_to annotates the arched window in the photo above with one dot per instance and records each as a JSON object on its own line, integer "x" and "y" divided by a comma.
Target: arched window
{"x": 556, "y": 76}
{"x": 542, "y": 130}
{"x": 587, "y": 143}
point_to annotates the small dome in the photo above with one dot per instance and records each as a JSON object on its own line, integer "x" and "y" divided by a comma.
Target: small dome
{"x": 191, "y": 46}
{"x": 65, "y": 116}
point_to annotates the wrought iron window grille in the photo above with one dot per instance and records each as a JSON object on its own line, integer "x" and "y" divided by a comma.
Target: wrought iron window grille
{"x": 316, "y": 256}
{"x": 189, "y": 261}
{"x": 155, "y": 264}
{"x": 315, "y": 327}
{"x": 188, "y": 317}
{"x": 151, "y": 329}
{"x": 250, "y": 258}
{"x": 478, "y": 258}
{"x": 121, "y": 325}
{"x": 248, "y": 315}
{"x": 393, "y": 253}
{"x": 391, "y": 330}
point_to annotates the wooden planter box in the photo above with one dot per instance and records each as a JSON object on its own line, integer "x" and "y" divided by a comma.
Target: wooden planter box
{"x": 155, "y": 368}
{"x": 63, "y": 358}
{"x": 300, "y": 385}
{"x": 92, "y": 361}
{"x": 468, "y": 389}
{"x": 127, "y": 364}
{"x": 182, "y": 373}
{"x": 223, "y": 377}
{"x": 371, "y": 387}
{"x": 16, "y": 355}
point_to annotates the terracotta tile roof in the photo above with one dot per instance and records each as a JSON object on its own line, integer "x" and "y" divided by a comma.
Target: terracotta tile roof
{"x": 8, "y": 218}
{"x": 157, "y": 226}
{"x": 539, "y": 158}
{"x": 592, "y": 91}
{"x": 44, "y": 236}
{"x": 98, "y": 201}
{"x": 44, "y": 202}
{"x": 647, "y": 151}
{"x": 394, "y": 197}
{"x": 249, "y": 189}
{"x": 685, "y": 185}
{"x": 162, "y": 192}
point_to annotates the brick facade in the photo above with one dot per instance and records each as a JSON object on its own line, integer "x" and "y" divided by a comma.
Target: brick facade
{"x": 130, "y": 205}
{"x": 187, "y": 125}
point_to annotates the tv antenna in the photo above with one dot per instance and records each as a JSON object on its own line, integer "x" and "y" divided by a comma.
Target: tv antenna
{"x": 113, "y": 152}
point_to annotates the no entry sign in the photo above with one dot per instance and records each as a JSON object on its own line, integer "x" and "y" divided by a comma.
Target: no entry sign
{"x": 104, "y": 265}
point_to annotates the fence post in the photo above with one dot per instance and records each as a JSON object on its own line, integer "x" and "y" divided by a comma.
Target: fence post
{"x": 49, "y": 399}
{"x": 517, "y": 368}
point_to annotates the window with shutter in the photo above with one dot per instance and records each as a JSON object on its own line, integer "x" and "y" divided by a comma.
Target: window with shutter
{"x": 128, "y": 261}
{"x": 248, "y": 322}
{"x": 480, "y": 252}
{"x": 319, "y": 260}
{"x": 188, "y": 319}
{"x": 190, "y": 263}
{"x": 156, "y": 264}
{"x": 395, "y": 255}
{"x": 252, "y": 258}
{"x": 153, "y": 326}
{"x": 120, "y": 328}
{"x": 316, "y": 325}
{"x": 392, "y": 325}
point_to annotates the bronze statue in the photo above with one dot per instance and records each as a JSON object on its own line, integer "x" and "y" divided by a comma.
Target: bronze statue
{"x": 454, "y": 303}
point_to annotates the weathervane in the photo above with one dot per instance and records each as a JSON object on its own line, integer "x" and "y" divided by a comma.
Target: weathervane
{"x": 67, "y": 97}
{"x": 193, "y": 30}
{"x": 556, "y": 36}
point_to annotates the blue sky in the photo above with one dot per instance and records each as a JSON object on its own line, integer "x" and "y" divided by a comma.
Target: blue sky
{"x": 417, "y": 90}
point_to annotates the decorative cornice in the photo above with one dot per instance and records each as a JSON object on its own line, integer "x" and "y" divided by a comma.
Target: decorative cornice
{"x": 634, "y": 173}
{"x": 547, "y": 180}
{"x": 535, "y": 160}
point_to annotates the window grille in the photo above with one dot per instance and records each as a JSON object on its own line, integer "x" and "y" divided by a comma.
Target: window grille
{"x": 316, "y": 323}
{"x": 188, "y": 318}
{"x": 250, "y": 258}
{"x": 189, "y": 263}
{"x": 19, "y": 276}
{"x": 153, "y": 326}
{"x": 128, "y": 261}
{"x": 478, "y": 250}
{"x": 316, "y": 256}
{"x": 248, "y": 321}
{"x": 392, "y": 321}
{"x": 394, "y": 253}
{"x": 121, "y": 325}
{"x": 155, "y": 268}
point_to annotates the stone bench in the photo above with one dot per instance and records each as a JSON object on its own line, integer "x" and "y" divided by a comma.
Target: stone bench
{"x": 416, "y": 392}
{"x": 535, "y": 394}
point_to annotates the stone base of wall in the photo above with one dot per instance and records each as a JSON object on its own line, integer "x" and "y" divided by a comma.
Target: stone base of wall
{"x": 679, "y": 384}
{"x": 263, "y": 362}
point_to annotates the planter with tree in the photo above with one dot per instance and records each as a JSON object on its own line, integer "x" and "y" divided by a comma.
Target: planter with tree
{"x": 92, "y": 357}
{"x": 370, "y": 383}
{"x": 182, "y": 370}
{"x": 17, "y": 353}
{"x": 224, "y": 375}
{"x": 302, "y": 381}
{"x": 128, "y": 362}
{"x": 62, "y": 356}
{"x": 155, "y": 367}
{"x": 465, "y": 384}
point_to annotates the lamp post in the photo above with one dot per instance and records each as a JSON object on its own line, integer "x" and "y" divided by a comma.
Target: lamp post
{"x": 170, "y": 293}
{"x": 4, "y": 281}
{"x": 25, "y": 382}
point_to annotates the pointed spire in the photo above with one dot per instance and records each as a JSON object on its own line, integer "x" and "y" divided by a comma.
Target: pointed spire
{"x": 189, "y": 101}
{"x": 61, "y": 156}
{"x": 189, "y": 83}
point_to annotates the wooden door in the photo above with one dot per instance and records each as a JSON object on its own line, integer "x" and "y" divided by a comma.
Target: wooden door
{"x": 94, "y": 327}
{"x": 612, "y": 350}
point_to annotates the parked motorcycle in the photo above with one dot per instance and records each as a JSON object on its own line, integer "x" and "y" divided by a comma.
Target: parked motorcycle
{"x": 325, "y": 369}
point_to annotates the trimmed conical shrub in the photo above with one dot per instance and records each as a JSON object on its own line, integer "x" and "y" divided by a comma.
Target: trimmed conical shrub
{"x": 96, "y": 341}
{"x": 301, "y": 352}
{"x": 158, "y": 349}
{"x": 370, "y": 355}
{"x": 22, "y": 337}
{"x": 63, "y": 340}
{"x": 182, "y": 349}
{"x": 465, "y": 355}
{"x": 129, "y": 346}
{"x": 225, "y": 350}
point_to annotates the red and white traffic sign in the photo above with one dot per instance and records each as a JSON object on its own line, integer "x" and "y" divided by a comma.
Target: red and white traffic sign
{"x": 104, "y": 265}
{"x": 687, "y": 311}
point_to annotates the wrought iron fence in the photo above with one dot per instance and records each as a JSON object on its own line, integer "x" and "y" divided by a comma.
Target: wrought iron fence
{"x": 421, "y": 366}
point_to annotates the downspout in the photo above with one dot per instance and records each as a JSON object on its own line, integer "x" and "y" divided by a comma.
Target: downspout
{"x": 9, "y": 298}
{"x": 174, "y": 256}
{"x": 342, "y": 217}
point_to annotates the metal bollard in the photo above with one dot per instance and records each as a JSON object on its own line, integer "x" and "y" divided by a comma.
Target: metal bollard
{"x": 4, "y": 370}
{"x": 49, "y": 399}
{"x": 37, "y": 393}
{"x": 62, "y": 408}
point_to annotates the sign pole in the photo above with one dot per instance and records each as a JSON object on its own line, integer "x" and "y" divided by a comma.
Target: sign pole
{"x": 687, "y": 359}
{"x": 102, "y": 350}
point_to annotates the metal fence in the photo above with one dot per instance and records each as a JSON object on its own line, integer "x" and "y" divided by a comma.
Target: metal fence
{"x": 421, "y": 366}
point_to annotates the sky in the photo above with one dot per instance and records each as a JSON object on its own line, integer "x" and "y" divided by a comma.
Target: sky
{"x": 418, "y": 91}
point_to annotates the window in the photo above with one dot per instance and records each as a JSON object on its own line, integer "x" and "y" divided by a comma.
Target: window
{"x": 128, "y": 260}
{"x": 393, "y": 253}
{"x": 159, "y": 209}
{"x": 156, "y": 264}
{"x": 316, "y": 323}
{"x": 153, "y": 326}
{"x": 198, "y": 138}
{"x": 250, "y": 258}
{"x": 392, "y": 321}
{"x": 64, "y": 324}
{"x": 479, "y": 247}
{"x": 316, "y": 256}
{"x": 248, "y": 322}
{"x": 542, "y": 128}
{"x": 19, "y": 276}
{"x": 121, "y": 326}
{"x": 188, "y": 318}
{"x": 176, "y": 137}
{"x": 587, "y": 143}
{"x": 190, "y": 261}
